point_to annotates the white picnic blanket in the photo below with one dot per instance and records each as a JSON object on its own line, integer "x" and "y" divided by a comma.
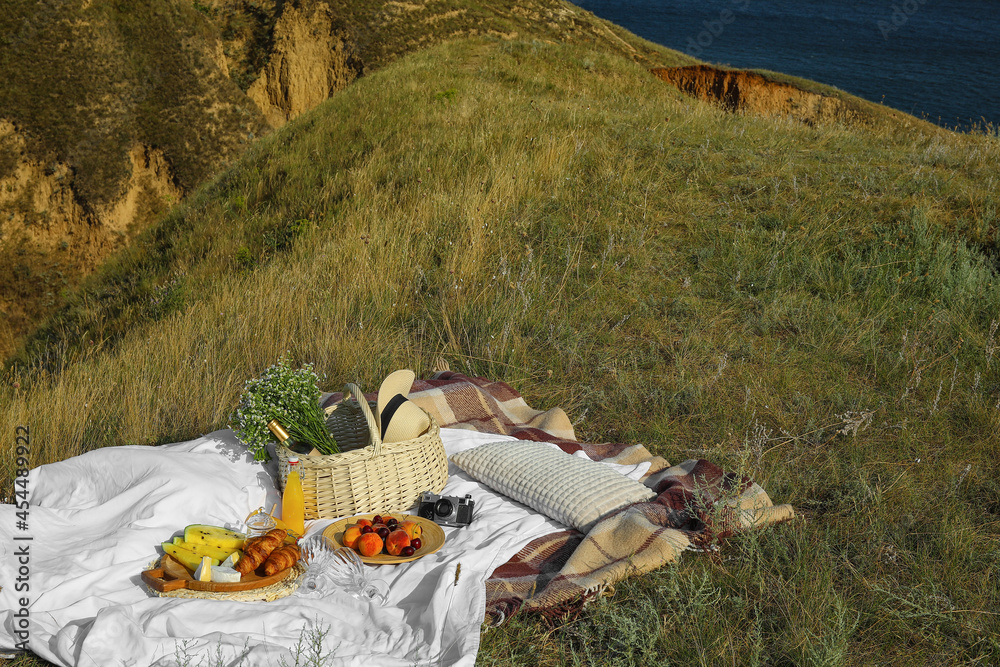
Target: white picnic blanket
{"x": 96, "y": 521}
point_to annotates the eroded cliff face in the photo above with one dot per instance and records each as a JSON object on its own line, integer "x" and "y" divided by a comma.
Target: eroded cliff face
{"x": 749, "y": 92}
{"x": 49, "y": 240}
{"x": 107, "y": 117}
{"x": 315, "y": 49}
{"x": 312, "y": 58}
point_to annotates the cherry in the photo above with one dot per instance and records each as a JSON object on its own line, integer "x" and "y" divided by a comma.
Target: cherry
{"x": 391, "y": 523}
{"x": 377, "y": 518}
{"x": 416, "y": 543}
{"x": 366, "y": 529}
{"x": 408, "y": 551}
{"x": 383, "y": 532}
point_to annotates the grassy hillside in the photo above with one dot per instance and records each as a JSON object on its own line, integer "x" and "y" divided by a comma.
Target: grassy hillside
{"x": 815, "y": 306}
{"x": 111, "y": 112}
{"x": 87, "y": 81}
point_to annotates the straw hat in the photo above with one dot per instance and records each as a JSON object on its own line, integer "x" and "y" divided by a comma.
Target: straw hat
{"x": 398, "y": 419}
{"x": 406, "y": 423}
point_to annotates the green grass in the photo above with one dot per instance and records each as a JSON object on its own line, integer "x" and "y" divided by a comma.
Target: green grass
{"x": 815, "y": 306}
{"x": 84, "y": 84}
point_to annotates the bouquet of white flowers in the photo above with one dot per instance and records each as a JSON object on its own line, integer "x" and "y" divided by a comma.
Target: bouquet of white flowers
{"x": 292, "y": 397}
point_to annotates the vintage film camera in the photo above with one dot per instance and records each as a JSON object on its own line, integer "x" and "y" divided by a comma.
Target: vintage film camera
{"x": 447, "y": 510}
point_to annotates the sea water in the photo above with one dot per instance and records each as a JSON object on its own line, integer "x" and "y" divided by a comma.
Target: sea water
{"x": 933, "y": 59}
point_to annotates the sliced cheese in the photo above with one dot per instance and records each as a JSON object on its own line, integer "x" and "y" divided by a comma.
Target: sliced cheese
{"x": 225, "y": 575}
{"x": 204, "y": 571}
{"x": 232, "y": 560}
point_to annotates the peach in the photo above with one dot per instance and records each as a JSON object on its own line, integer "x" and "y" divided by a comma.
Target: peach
{"x": 396, "y": 542}
{"x": 412, "y": 528}
{"x": 351, "y": 536}
{"x": 369, "y": 544}
{"x": 363, "y": 522}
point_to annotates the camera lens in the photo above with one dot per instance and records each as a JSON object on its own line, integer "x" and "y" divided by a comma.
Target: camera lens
{"x": 443, "y": 507}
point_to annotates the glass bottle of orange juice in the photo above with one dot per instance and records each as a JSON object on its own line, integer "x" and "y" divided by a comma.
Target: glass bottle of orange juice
{"x": 292, "y": 501}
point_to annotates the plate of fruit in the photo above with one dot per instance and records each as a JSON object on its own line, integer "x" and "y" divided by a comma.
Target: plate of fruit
{"x": 386, "y": 539}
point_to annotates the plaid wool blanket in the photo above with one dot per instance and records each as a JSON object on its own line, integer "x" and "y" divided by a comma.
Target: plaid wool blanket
{"x": 697, "y": 504}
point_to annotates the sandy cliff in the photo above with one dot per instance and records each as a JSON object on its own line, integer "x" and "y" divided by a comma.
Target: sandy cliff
{"x": 749, "y": 92}
{"x": 312, "y": 57}
{"x": 49, "y": 240}
{"x": 742, "y": 91}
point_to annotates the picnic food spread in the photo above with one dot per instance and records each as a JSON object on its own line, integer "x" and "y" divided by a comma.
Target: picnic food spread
{"x": 212, "y": 555}
{"x": 276, "y": 405}
{"x": 438, "y": 600}
{"x": 260, "y": 551}
{"x": 212, "y": 558}
{"x": 216, "y": 559}
{"x": 369, "y": 536}
{"x": 387, "y": 539}
{"x": 200, "y": 542}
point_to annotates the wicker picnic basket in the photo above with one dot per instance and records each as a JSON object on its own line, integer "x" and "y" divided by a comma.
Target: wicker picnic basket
{"x": 380, "y": 477}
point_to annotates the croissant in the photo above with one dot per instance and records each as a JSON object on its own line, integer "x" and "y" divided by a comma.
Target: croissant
{"x": 282, "y": 559}
{"x": 257, "y": 550}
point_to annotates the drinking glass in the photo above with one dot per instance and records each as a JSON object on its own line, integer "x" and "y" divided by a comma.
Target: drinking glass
{"x": 330, "y": 567}
{"x": 258, "y": 524}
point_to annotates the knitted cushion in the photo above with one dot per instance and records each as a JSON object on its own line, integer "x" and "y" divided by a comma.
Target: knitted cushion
{"x": 569, "y": 489}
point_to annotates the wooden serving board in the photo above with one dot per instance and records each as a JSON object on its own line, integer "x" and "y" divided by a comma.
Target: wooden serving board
{"x": 171, "y": 576}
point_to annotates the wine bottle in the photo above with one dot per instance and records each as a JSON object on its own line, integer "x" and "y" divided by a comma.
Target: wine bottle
{"x": 286, "y": 440}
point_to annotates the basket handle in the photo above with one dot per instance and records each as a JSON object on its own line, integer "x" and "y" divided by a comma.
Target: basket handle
{"x": 353, "y": 390}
